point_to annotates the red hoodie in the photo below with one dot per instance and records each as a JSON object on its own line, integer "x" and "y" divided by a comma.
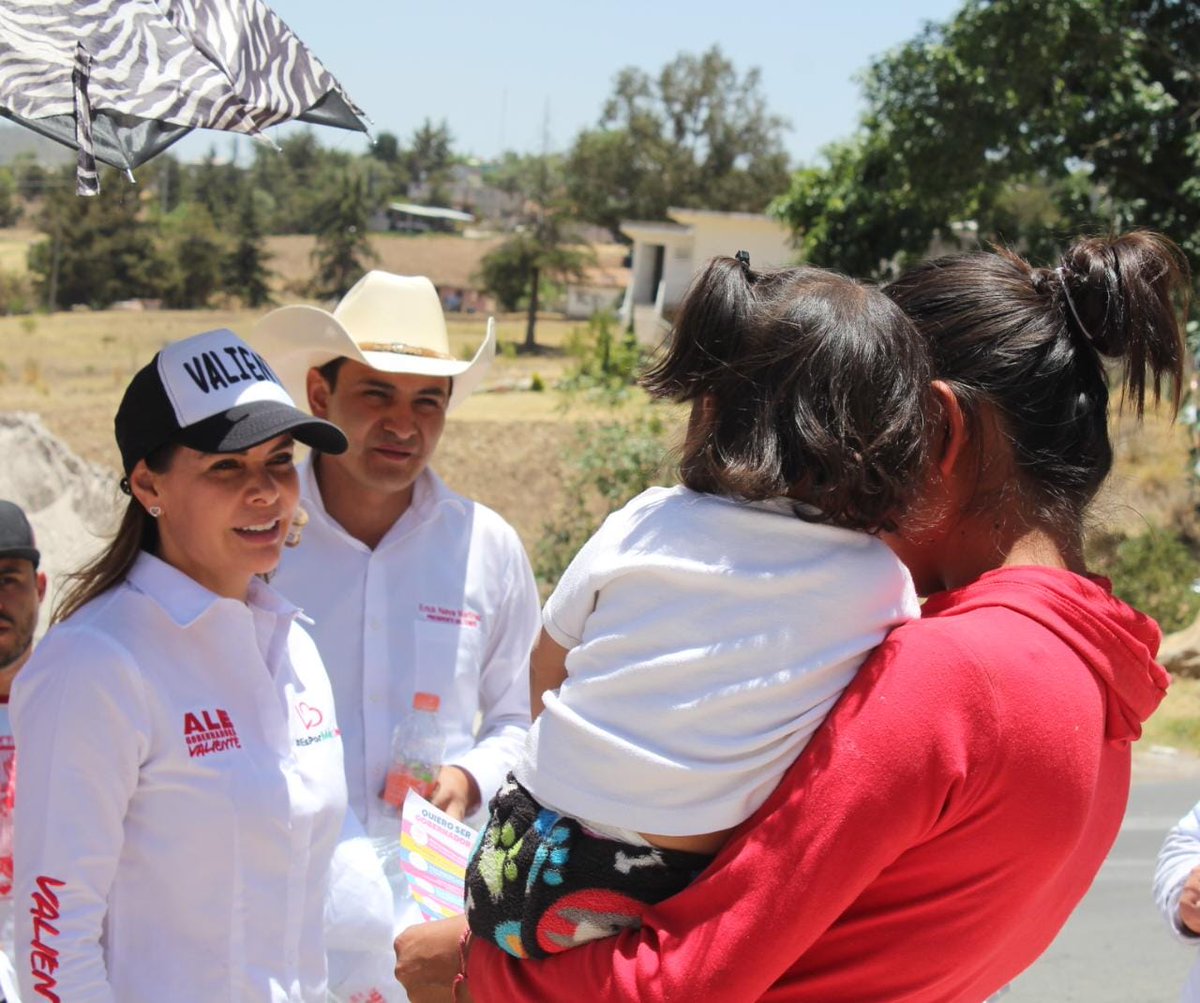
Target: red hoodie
{"x": 932, "y": 838}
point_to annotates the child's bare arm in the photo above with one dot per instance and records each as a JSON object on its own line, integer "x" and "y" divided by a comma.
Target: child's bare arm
{"x": 547, "y": 670}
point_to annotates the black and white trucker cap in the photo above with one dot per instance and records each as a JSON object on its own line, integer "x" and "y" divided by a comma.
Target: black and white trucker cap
{"x": 212, "y": 392}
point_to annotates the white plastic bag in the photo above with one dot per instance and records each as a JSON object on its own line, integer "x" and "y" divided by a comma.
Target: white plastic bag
{"x": 358, "y": 924}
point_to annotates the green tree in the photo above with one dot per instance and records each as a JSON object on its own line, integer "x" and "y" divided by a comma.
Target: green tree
{"x": 96, "y": 250}
{"x": 297, "y": 177}
{"x": 244, "y": 268}
{"x": 30, "y": 176}
{"x": 343, "y": 246}
{"x": 1032, "y": 118}
{"x": 429, "y": 159}
{"x": 698, "y": 134}
{"x": 394, "y": 166}
{"x": 194, "y": 250}
{"x": 167, "y": 177}
{"x": 543, "y": 251}
{"x": 386, "y": 148}
{"x": 10, "y": 208}
{"x": 214, "y": 184}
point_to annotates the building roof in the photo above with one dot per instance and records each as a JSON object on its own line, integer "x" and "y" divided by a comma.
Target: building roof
{"x": 647, "y": 229}
{"x": 431, "y": 212}
{"x": 688, "y": 216}
{"x": 655, "y": 224}
{"x": 683, "y": 222}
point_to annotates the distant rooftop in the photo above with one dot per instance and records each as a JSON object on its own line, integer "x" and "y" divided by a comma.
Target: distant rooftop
{"x": 432, "y": 212}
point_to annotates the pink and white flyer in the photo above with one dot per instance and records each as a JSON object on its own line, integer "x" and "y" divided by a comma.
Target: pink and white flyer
{"x": 433, "y": 854}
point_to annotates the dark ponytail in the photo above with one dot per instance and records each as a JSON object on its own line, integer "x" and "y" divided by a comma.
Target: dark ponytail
{"x": 1031, "y": 343}
{"x": 137, "y": 532}
{"x": 708, "y": 331}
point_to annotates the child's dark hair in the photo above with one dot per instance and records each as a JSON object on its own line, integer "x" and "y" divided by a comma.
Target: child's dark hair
{"x": 819, "y": 390}
{"x": 1029, "y": 342}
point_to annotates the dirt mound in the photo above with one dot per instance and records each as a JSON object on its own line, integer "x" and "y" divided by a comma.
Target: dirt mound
{"x": 72, "y": 504}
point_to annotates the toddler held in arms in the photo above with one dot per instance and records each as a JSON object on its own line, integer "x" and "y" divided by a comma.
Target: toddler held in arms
{"x": 699, "y": 638}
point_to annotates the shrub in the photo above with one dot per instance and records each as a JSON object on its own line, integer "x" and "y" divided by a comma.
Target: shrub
{"x": 608, "y": 464}
{"x": 607, "y": 363}
{"x": 1153, "y": 572}
{"x": 16, "y": 294}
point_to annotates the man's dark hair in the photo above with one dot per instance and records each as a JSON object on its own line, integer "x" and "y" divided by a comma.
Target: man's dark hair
{"x": 329, "y": 371}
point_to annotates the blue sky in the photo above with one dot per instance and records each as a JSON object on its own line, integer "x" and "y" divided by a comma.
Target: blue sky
{"x": 492, "y": 70}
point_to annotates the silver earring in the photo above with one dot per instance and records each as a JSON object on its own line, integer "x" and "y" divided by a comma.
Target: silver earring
{"x": 154, "y": 511}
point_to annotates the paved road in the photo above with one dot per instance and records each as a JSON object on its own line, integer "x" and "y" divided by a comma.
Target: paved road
{"x": 1116, "y": 948}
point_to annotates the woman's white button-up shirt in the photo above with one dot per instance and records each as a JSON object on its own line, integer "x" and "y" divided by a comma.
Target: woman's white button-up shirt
{"x": 180, "y": 792}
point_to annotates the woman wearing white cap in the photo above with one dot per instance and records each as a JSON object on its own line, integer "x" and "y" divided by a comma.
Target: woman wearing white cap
{"x": 181, "y": 765}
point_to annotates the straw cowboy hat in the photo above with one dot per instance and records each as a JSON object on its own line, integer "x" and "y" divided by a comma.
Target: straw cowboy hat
{"x": 393, "y": 323}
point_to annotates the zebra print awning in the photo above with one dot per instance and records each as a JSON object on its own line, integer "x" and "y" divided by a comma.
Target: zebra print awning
{"x": 121, "y": 80}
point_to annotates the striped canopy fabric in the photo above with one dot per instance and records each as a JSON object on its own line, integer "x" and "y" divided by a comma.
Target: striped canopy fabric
{"x": 121, "y": 80}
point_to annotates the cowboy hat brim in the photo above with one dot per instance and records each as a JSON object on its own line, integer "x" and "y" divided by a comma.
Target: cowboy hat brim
{"x": 295, "y": 339}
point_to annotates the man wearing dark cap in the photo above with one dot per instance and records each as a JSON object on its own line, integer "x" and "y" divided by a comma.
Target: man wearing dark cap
{"x": 22, "y": 588}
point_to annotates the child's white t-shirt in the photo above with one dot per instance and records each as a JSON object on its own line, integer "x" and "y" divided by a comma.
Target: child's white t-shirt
{"x": 708, "y": 639}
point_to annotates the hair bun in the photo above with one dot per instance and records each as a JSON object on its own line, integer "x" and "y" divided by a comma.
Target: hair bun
{"x": 1126, "y": 294}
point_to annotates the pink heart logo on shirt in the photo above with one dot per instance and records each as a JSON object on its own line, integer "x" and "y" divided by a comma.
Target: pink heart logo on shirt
{"x": 311, "y": 716}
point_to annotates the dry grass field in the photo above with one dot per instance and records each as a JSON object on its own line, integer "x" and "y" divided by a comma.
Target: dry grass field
{"x": 503, "y": 446}
{"x": 14, "y": 244}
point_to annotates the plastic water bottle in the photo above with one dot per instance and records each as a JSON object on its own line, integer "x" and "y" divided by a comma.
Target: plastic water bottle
{"x": 418, "y": 745}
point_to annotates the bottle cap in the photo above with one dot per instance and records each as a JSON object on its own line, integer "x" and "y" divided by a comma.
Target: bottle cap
{"x": 426, "y": 701}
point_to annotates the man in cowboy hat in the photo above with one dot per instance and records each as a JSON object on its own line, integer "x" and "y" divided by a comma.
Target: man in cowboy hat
{"x": 412, "y": 587}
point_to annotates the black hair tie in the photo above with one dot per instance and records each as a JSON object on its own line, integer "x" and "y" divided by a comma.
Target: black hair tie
{"x": 1061, "y": 272}
{"x": 744, "y": 258}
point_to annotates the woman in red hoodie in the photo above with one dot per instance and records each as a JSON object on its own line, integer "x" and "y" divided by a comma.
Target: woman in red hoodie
{"x": 940, "y": 827}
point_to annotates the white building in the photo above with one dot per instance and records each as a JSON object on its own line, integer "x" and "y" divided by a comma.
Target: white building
{"x": 667, "y": 254}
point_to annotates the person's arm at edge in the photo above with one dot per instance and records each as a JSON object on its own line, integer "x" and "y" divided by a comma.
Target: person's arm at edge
{"x": 79, "y": 724}
{"x": 823, "y": 818}
{"x": 1179, "y": 856}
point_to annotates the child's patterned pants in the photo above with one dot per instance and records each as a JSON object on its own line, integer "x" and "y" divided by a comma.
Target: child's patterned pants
{"x": 539, "y": 883}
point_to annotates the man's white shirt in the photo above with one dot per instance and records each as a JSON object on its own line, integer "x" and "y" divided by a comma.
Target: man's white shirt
{"x": 444, "y": 604}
